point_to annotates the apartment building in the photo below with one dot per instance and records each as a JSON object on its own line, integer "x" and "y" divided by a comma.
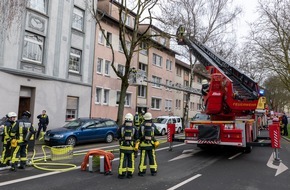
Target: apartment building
{"x": 157, "y": 62}
{"x": 47, "y": 59}
{"x": 182, "y": 79}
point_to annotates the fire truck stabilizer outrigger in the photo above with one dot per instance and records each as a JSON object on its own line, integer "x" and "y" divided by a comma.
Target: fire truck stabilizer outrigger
{"x": 233, "y": 102}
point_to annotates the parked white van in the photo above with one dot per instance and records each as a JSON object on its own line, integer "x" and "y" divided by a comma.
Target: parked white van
{"x": 162, "y": 121}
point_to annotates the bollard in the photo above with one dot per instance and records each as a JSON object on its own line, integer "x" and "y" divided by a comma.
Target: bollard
{"x": 170, "y": 134}
{"x": 90, "y": 163}
{"x": 102, "y": 164}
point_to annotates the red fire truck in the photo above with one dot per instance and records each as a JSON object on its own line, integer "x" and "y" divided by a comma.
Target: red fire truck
{"x": 233, "y": 101}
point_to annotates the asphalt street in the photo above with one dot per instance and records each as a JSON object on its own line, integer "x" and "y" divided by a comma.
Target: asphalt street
{"x": 186, "y": 167}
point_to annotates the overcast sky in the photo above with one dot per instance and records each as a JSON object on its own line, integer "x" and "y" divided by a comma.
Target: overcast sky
{"x": 248, "y": 15}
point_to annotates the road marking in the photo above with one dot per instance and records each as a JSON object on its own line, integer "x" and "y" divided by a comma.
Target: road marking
{"x": 27, "y": 178}
{"x": 185, "y": 154}
{"x": 184, "y": 182}
{"x": 280, "y": 168}
{"x": 236, "y": 155}
{"x": 78, "y": 167}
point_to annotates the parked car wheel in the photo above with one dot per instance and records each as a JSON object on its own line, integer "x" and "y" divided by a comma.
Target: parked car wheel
{"x": 71, "y": 141}
{"x": 163, "y": 132}
{"x": 179, "y": 130}
{"x": 109, "y": 138}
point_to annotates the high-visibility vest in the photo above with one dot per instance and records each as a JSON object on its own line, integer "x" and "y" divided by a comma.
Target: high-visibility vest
{"x": 137, "y": 120}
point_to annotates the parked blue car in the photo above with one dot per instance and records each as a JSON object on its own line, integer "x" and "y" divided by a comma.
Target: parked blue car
{"x": 82, "y": 130}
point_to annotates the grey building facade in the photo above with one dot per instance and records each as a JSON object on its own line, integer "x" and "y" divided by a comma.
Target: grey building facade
{"x": 46, "y": 61}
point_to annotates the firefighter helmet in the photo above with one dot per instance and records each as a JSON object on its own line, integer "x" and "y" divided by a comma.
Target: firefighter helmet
{"x": 204, "y": 81}
{"x": 11, "y": 114}
{"x": 148, "y": 116}
{"x": 128, "y": 117}
{"x": 27, "y": 114}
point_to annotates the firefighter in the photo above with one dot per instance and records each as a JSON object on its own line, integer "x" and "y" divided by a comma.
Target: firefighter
{"x": 204, "y": 87}
{"x": 137, "y": 120}
{"x": 43, "y": 123}
{"x": 148, "y": 144}
{"x": 6, "y": 152}
{"x": 24, "y": 131}
{"x": 204, "y": 91}
{"x": 127, "y": 135}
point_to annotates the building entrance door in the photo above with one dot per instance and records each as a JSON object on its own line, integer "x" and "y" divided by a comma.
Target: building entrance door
{"x": 24, "y": 105}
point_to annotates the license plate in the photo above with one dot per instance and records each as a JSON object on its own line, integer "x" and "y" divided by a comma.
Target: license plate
{"x": 46, "y": 138}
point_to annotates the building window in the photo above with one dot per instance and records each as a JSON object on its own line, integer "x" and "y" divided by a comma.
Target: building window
{"x": 142, "y": 91}
{"x": 127, "y": 99}
{"x": 38, "y": 5}
{"x": 168, "y": 84}
{"x": 168, "y": 65}
{"x": 109, "y": 39}
{"x": 144, "y": 48}
{"x": 186, "y": 83}
{"x": 75, "y": 60}
{"x": 33, "y": 47}
{"x": 178, "y": 71}
{"x": 101, "y": 37}
{"x": 177, "y": 104}
{"x": 120, "y": 47}
{"x": 100, "y": 65}
{"x": 78, "y": 19}
{"x": 199, "y": 107}
{"x": 128, "y": 46}
{"x": 98, "y": 95}
{"x": 155, "y": 103}
{"x": 121, "y": 69}
{"x": 168, "y": 105}
{"x": 126, "y": 19}
{"x": 72, "y": 108}
{"x": 156, "y": 81}
{"x": 107, "y": 67}
{"x": 157, "y": 60}
{"x": 143, "y": 67}
{"x": 106, "y": 96}
{"x": 191, "y": 106}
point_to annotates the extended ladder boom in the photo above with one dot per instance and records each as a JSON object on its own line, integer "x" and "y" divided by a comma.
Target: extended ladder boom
{"x": 246, "y": 87}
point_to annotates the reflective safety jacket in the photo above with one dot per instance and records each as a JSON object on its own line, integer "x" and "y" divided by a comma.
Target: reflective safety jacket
{"x": 137, "y": 120}
{"x": 147, "y": 135}
{"x": 43, "y": 119}
{"x": 6, "y": 132}
{"x": 23, "y": 131}
{"x": 127, "y": 136}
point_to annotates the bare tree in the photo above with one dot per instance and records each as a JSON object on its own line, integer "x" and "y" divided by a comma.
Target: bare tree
{"x": 127, "y": 34}
{"x": 248, "y": 62}
{"x": 209, "y": 22}
{"x": 270, "y": 36}
{"x": 10, "y": 11}
{"x": 276, "y": 94}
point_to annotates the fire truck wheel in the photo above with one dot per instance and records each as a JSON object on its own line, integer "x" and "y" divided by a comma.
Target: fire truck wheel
{"x": 248, "y": 149}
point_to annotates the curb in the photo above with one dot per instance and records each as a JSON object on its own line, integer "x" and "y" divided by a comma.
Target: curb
{"x": 286, "y": 138}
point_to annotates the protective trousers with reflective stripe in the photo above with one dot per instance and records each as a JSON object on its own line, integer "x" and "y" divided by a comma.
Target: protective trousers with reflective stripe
{"x": 15, "y": 154}
{"x": 151, "y": 157}
{"x": 126, "y": 164}
{"x": 22, "y": 146}
{"x": 6, "y": 153}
